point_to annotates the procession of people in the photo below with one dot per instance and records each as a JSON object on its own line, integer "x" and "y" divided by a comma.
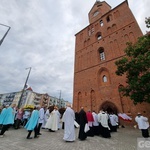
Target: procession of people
{"x": 49, "y": 118}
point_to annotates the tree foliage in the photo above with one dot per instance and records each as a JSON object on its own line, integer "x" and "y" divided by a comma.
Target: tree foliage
{"x": 136, "y": 66}
{"x": 147, "y": 21}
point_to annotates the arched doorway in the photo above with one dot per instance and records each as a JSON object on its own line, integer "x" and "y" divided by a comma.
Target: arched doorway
{"x": 109, "y": 107}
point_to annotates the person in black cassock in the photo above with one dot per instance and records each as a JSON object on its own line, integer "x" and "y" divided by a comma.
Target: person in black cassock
{"x": 82, "y": 121}
{"x": 77, "y": 117}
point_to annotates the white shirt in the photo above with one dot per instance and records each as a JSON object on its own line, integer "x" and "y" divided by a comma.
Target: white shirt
{"x": 41, "y": 115}
{"x": 95, "y": 116}
{"x": 142, "y": 122}
{"x": 113, "y": 119}
{"x": 103, "y": 119}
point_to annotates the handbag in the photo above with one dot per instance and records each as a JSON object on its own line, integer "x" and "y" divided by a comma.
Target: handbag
{"x": 86, "y": 128}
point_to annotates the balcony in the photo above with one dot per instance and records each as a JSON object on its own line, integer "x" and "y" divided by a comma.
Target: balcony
{"x": 38, "y": 97}
{"x": 36, "y": 101}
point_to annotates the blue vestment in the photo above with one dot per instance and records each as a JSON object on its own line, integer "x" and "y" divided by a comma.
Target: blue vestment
{"x": 33, "y": 120}
{"x": 8, "y": 116}
{"x": 2, "y": 115}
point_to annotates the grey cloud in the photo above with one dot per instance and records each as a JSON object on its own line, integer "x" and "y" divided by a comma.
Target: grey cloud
{"x": 42, "y": 37}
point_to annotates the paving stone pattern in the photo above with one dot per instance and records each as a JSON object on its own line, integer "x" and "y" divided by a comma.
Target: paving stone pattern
{"x": 124, "y": 139}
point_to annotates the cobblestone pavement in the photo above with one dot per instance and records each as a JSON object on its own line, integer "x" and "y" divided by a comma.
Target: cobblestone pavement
{"x": 124, "y": 139}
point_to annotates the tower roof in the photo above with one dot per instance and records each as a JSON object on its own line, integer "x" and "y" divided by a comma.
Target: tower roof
{"x": 127, "y": 2}
{"x": 99, "y": 3}
{"x": 99, "y": 9}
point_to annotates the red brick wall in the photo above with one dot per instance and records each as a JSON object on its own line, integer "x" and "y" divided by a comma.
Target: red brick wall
{"x": 90, "y": 91}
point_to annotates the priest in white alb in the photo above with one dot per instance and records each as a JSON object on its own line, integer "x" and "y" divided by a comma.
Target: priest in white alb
{"x": 69, "y": 129}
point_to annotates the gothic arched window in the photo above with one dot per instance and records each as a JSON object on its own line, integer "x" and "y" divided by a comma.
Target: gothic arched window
{"x": 104, "y": 78}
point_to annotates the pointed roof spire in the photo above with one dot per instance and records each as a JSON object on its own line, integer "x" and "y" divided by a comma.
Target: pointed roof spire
{"x": 127, "y": 2}
{"x": 97, "y": 1}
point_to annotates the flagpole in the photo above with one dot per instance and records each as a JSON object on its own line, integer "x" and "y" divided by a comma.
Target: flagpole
{"x": 60, "y": 99}
{"x": 20, "y": 100}
{"x": 1, "y": 41}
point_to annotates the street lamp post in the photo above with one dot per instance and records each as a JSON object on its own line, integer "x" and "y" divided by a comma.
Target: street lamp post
{"x": 20, "y": 100}
{"x": 60, "y": 99}
{"x": 1, "y": 41}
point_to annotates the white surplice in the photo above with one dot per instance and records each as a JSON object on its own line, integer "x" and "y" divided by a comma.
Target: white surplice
{"x": 52, "y": 121}
{"x": 69, "y": 130}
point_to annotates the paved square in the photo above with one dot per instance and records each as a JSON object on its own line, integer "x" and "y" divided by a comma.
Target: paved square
{"x": 124, "y": 139}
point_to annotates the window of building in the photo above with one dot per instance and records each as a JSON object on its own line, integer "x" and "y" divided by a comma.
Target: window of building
{"x": 95, "y": 13}
{"x": 89, "y": 32}
{"x": 104, "y": 78}
{"x": 92, "y": 30}
{"x": 99, "y": 36}
{"x": 102, "y": 54}
{"x": 101, "y": 23}
{"x": 109, "y": 18}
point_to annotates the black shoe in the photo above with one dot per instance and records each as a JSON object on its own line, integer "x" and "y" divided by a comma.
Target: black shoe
{"x": 39, "y": 134}
{"x": 36, "y": 136}
{"x": 51, "y": 130}
{"x": 69, "y": 141}
{"x": 29, "y": 137}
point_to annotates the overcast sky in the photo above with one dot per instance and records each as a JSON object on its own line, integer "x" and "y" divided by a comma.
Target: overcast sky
{"x": 42, "y": 37}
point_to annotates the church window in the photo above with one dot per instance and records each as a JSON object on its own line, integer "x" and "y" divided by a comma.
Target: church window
{"x": 92, "y": 30}
{"x": 102, "y": 54}
{"x": 89, "y": 32}
{"x": 101, "y": 23}
{"x": 96, "y": 13}
{"x": 99, "y": 36}
{"x": 109, "y": 18}
{"x": 104, "y": 78}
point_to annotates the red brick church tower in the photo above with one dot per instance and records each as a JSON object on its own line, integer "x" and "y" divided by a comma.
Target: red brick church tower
{"x": 97, "y": 48}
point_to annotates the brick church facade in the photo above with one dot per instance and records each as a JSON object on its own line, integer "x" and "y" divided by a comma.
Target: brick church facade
{"x": 97, "y": 48}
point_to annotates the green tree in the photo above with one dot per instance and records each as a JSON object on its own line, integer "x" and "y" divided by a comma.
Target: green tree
{"x": 147, "y": 21}
{"x": 136, "y": 66}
